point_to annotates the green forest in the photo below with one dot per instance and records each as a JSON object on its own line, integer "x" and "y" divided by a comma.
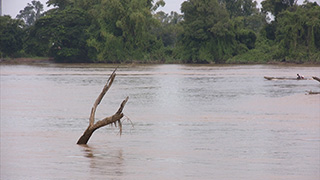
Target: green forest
{"x": 129, "y": 31}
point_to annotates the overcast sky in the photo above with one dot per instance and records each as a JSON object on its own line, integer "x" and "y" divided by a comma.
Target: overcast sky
{"x": 12, "y": 7}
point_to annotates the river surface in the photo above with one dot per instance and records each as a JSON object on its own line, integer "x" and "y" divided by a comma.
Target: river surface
{"x": 188, "y": 122}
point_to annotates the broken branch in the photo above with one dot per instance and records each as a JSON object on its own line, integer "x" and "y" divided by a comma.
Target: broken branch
{"x": 108, "y": 120}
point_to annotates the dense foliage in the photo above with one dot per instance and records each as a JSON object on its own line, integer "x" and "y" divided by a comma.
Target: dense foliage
{"x": 207, "y": 31}
{"x": 11, "y": 35}
{"x": 31, "y": 12}
{"x": 210, "y": 35}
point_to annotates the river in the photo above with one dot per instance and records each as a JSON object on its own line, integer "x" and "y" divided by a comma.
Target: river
{"x": 181, "y": 122}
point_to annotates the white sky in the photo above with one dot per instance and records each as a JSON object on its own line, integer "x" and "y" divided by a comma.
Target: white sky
{"x": 12, "y": 7}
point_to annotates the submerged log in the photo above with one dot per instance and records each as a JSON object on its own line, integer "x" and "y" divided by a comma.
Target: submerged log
{"x": 116, "y": 118}
{"x": 313, "y": 92}
{"x": 282, "y": 78}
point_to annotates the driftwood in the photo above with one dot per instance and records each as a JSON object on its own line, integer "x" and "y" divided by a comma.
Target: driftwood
{"x": 313, "y": 92}
{"x": 116, "y": 118}
{"x": 316, "y": 78}
{"x": 282, "y": 78}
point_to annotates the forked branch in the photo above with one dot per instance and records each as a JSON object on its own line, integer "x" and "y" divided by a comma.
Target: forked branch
{"x": 108, "y": 120}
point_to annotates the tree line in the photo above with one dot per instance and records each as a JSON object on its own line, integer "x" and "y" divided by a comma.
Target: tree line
{"x": 126, "y": 31}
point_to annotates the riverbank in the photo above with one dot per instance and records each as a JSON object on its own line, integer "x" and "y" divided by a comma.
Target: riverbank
{"x": 38, "y": 60}
{"x": 26, "y": 60}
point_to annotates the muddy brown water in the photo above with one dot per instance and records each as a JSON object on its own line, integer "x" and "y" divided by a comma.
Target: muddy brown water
{"x": 190, "y": 122}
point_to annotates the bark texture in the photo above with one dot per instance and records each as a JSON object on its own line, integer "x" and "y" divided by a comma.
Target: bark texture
{"x": 116, "y": 118}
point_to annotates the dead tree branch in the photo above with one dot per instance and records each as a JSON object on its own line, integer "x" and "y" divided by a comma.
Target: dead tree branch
{"x": 108, "y": 120}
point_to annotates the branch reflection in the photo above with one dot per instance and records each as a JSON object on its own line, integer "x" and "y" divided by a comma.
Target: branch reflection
{"x": 107, "y": 162}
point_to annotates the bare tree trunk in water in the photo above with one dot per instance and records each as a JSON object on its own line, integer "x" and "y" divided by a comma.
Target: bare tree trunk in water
{"x": 108, "y": 120}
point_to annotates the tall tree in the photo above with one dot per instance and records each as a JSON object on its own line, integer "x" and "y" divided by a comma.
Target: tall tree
{"x": 11, "y": 34}
{"x": 239, "y": 7}
{"x": 60, "y": 4}
{"x": 298, "y": 33}
{"x": 62, "y": 35}
{"x": 169, "y": 28}
{"x": 207, "y": 32}
{"x": 210, "y": 35}
{"x": 276, "y": 6}
{"x": 251, "y": 16}
{"x": 31, "y": 12}
{"x": 122, "y": 30}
